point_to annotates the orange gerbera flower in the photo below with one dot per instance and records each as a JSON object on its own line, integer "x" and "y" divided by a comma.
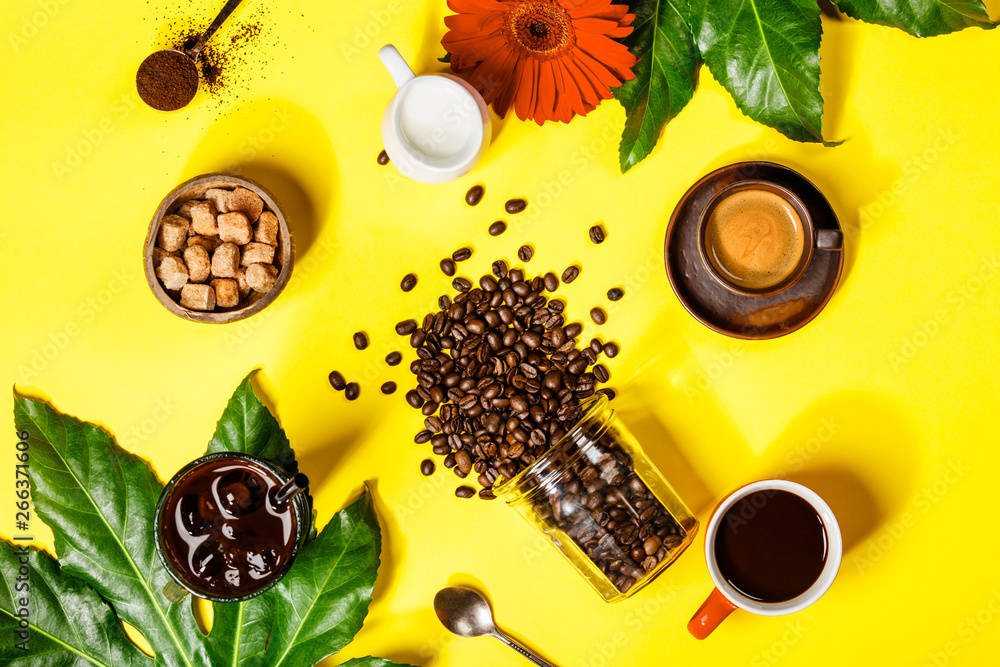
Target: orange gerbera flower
{"x": 549, "y": 59}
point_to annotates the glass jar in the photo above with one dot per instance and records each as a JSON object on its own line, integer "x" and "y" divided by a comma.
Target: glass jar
{"x": 603, "y": 504}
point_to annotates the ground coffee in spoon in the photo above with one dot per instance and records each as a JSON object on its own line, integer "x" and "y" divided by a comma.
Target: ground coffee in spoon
{"x": 166, "y": 80}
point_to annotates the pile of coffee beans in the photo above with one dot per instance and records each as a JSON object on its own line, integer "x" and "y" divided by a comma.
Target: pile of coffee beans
{"x": 499, "y": 374}
{"x": 599, "y": 501}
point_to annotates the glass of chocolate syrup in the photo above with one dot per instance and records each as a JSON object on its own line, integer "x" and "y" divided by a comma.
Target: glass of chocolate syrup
{"x": 221, "y": 532}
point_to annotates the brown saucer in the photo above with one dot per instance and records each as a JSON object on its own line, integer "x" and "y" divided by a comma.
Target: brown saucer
{"x": 750, "y": 318}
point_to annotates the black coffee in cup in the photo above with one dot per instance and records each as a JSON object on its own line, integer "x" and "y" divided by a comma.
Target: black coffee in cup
{"x": 771, "y": 546}
{"x": 221, "y": 530}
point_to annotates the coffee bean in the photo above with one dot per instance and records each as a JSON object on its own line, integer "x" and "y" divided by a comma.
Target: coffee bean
{"x": 597, "y": 234}
{"x": 465, "y": 492}
{"x": 422, "y": 437}
{"x": 651, "y": 544}
{"x": 610, "y": 350}
{"x": 461, "y": 284}
{"x": 409, "y": 282}
{"x": 448, "y": 266}
{"x": 337, "y": 380}
{"x": 601, "y": 373}
{"x": 615, "y": 293}
{"x": 500, "y": 268}
{"x": 352, "y": 391}
{"x": 474, "y": 195}
{"x": 487, "y": 494}
{"x": 461, "y": 254}
{"x": 404, "y": 328}
{"x": 573, "y": 330}
{"x": 599, "y": 315}
{"x": 463, "y": 461}
{"x": 383, "y": 158}
{"x": 388, "y": 388}
{"x": 513, "y": 206}
{"x": 360, "y": 340}
{"x": 551, "y": 282}
{"x": 525, "y": 253}
{"x": 608, "y": 391}
{"x": 413, "y": 399}
{"x": 427, "y": 467}
{"x": 393, "y": 358}
{"x": 570, "y": 274}
{"x": 498, "y": 228}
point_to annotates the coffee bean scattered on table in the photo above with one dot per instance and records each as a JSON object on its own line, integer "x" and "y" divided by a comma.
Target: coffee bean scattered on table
{"x": 383, "y": 158}
{"x": 615, "y": 293}
{"x": 461, "y": 284}
{"x": 461, "y": 254}
{"x": 498, "y": 228}
{"x": 337, "y": 380}
{"x": 406, "y": 327}
{"x": 388, "y": 388}
{"x": 360, "y": 340}
{"x": 474, "y": 195}
{"x": 610, "y": 350}
{"x": 570, "y": 274}
{"x": 599, "y": 315}
{"x": 408, "y": 283}
{"x": 525, "y": 253}
{"x": 597, "y": 234}
{"x": 352, "y": 391}
{"x": 427, "y": 467}
{"x": 448, "y": 266}
{"x": 515, "y": 205}
{"x": 465, "y": 492}
{"x": 393, "y": 358}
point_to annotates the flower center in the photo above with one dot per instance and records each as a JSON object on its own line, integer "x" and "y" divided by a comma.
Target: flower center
{"x": 541, "y": 29}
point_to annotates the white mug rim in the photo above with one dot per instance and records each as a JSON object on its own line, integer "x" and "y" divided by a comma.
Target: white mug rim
{"x": 469, "y": 152}
{"x": 835, "y": 549}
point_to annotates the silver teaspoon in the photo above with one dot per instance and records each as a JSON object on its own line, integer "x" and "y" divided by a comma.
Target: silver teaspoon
{"x": 466, "y": 613}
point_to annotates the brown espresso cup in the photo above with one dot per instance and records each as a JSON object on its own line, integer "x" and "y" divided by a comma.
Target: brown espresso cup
{"x": 756, "y": 238}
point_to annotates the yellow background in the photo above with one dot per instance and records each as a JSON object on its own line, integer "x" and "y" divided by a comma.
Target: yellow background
{"x": 886, "y": 403}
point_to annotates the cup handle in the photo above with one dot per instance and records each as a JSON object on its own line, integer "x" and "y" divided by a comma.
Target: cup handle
{"x": 829, "y": 239}
{"x": 714, "y": 611}
{"x": 398, "y": 69}
{"x": 173, "y": 592}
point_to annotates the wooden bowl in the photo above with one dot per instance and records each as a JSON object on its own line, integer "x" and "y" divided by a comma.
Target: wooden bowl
{"x": 255, "y": 302}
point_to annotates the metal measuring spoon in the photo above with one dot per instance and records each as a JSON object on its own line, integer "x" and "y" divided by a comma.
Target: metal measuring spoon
{"x": 466, "y": 613}
{"x": 178, "y": 67}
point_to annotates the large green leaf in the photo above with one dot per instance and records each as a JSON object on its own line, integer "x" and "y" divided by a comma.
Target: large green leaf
{"x": 69, "y": 624}
{"x": 766, "y": 54}
{"x": 240, "y": 632}
{"x": 247, "y": 426}
{"x": 665, "y": 76}
{"x": 321, "y": 603}
{"x": 923, "y": 18}
{"x": 99, "y": 500}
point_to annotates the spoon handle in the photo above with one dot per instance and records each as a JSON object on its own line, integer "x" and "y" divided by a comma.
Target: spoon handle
{"x": 223, "y": 15}
{"x": 522, "y": 650}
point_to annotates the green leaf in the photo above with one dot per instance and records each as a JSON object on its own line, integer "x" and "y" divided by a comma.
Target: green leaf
{"x": 766, "y": 54}
{"x": 68, "y": 622}
{"x": 372, "y": 662}
{"x": 99, "y": 500}
{"x": 922, "y": 18}
{"x": 247, "y": 426}
{"x": 665, "y": 76}
{"x": 322, "y": 602}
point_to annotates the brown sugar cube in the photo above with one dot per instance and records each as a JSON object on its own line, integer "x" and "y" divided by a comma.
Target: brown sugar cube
{"x": 203, "y": 218}
{"x": 173, "y": 233}
{"x": 241, "y": 282}
{"x": 225, "y": 261}
{"x": 257, "y": 253}
{"x": 172, "y": 272}
{"x": 209, "y": 243}
{"x": 247, "y": 202}
{"x": 198, "y": 263}
{"x": 266, "y": 229}
{"x": 218, "y": 197}
{"x": 185, "y": 209}
{"x": 234, "y": 228}
{"x": 227, "y": 292}
{"x": 198, "y": 297}
{"x": 261, "y": 277}
{"x": 159, "y": 254}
